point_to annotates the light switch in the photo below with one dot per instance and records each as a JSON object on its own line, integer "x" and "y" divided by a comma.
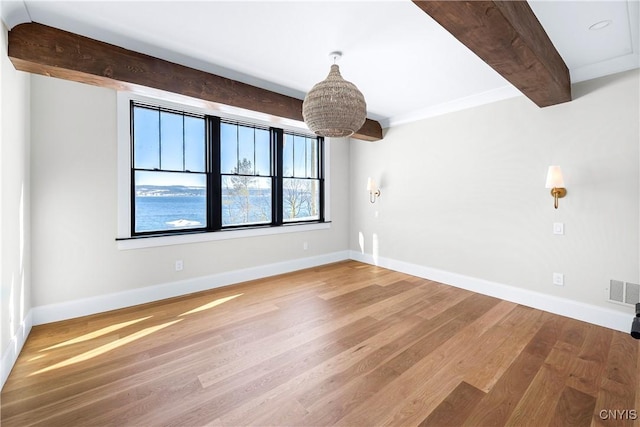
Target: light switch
{"x": 558, "y": 228}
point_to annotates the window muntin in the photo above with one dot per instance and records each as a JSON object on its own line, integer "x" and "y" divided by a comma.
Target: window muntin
{"x": 168, "y": 176}
{"x": 201, "y": 173}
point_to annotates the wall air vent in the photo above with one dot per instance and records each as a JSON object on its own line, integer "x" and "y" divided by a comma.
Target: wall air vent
{"x": 624, "y": 292}
{"x": 632, "y": 293}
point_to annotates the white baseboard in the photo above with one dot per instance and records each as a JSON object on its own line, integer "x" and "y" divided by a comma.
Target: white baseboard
{"x": 15, "y": 345}
{"x": 600, "y": 316}
{"x": 86, "y": 306}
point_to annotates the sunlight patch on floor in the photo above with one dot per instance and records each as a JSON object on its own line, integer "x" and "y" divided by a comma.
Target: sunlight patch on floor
{"x": 107, "y": 347}
{"x": 37, "y": 357}
{"x": 211, "y": 304}
{"x": 97, "y": 333}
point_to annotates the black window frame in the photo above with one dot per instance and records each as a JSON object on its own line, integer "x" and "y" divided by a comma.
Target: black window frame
{"x": 214, "y": 175}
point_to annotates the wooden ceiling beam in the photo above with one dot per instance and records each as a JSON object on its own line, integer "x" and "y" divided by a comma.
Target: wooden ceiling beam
{"x": 507, "y": 36}
{"x": 45, "y": 50}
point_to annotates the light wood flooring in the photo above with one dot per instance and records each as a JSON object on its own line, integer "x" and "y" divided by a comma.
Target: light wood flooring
{"x": 344, "y": 344}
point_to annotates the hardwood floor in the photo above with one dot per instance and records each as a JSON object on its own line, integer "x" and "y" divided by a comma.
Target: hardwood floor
{"x": 344, "y": 344}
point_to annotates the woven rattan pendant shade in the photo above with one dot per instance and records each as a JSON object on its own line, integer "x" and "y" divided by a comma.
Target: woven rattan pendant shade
{"x": 334, "y": 107}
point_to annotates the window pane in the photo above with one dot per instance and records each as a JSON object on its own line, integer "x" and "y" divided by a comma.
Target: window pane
{"x": 287, "y": 155}
{"x": 171, "y": 141}
{"x": 228, "y": 147}
{"x": 169, "y": 201}
{"x": 246, "y": 150}
{"x": 299, "y": 149}
{"x": 194, "y": 144}
{"x": 301, "y": 199}
{"x": 146, "y": 137}
{"x": 312, "y": 158}
{"x": 263, "y": 152}
{"x": 245, "y": 200}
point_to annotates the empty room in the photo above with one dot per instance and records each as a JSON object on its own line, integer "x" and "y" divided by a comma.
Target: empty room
{"x": 314, "y": 213}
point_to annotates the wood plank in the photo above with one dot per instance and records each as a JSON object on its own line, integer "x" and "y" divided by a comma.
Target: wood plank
{"x": 586, "y": 370}
{"x": 619, "y": 385}
{"x": 501, "y": 400}
{"x": 623, "y": 353}
{"x": 48, "y": 51}
{"x": 509, "y": 38}
{"x": 519, "y": 327}
{"x": 455, "y": 408}
{"x": 536, "y": 407}
{"x": 637, "y": 405}
{"x": 442, "y": 300}
{"x": 573, "y": 409}
{"x": 614, "y": 405}
{"x": 574, "y": 332}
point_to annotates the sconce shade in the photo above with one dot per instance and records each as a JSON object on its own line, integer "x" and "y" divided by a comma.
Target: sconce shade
{"x": 372, "y": 188}
{"x": 556, "y": 183}
{"x": 554, "y": 178}
{"x": 371, "y": 185}
{"x": 334, "y": 107}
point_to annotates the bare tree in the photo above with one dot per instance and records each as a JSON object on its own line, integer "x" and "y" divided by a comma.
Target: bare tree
{"x": 300, "y": 198}
{"x": 242, "y": 209}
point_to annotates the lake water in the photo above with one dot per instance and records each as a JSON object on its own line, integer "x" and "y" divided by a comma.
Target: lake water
{"x": 162, "y": 213}
{"x": 188, "y": 212}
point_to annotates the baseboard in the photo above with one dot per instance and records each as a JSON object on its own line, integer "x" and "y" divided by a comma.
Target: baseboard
{"x": 15, "y": 345}
{"x": 86, "y": 306}
{"x": 600, "y": 316}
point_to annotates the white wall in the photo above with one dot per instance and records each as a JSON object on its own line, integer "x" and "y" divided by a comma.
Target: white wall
{"x": 14, "y": 209}
{"x": 464, "y": 193}
{"x": 74, "y": 210}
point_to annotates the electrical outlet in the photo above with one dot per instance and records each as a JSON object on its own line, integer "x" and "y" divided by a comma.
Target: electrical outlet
{"x": 179, "y": 265}
{"x": 558, "y": 279}
{"x": 305, "y": 246}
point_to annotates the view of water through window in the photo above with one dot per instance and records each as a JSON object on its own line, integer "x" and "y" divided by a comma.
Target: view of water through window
{"x": 171, "y": 165}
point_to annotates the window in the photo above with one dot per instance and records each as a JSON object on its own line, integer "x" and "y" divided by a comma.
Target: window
{"x": 301, "y": 178}
{"x": 200, "y": 173}
{"x": 247, "y": 175}
{"x": 169, "y": 171}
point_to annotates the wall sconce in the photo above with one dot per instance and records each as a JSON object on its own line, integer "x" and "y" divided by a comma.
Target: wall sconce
{"x": 556, "y": 183}
{"x": 374, "y": 191}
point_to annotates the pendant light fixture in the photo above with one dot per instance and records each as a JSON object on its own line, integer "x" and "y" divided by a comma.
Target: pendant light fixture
{"x": 334, "y": 107}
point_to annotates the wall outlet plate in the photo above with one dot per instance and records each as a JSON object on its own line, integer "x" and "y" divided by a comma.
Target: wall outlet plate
{"x": 558, "y": 279}
{"x": 558, "y": 228}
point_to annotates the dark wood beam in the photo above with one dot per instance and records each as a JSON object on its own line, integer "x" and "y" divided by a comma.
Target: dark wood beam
{"x": 507, "y": 36}
{"x": 40, "y": 49}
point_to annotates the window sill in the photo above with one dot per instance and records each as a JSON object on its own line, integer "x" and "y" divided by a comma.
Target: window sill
{"x": 181, "y": 239}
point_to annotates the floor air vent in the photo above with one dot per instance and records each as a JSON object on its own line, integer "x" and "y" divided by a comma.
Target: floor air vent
{"x": 624, "y": 292}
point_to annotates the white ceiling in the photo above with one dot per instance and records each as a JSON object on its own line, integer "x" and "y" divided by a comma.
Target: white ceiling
{"x": 407, "y": 66}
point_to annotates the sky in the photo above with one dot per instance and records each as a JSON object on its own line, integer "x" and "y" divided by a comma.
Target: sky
{"x": 176, "y": 142}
